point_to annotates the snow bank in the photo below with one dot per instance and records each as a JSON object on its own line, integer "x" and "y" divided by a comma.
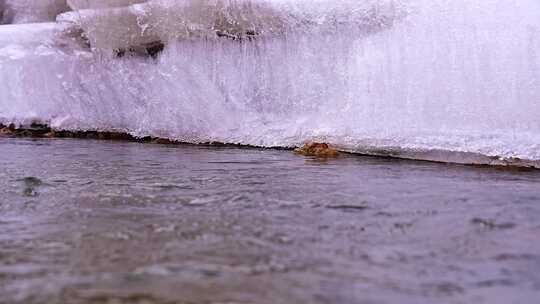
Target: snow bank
{"x": 28, "y": 11}
{"x": 456, "y": 76}
{"x": 96, "y": 4}
{"x": 166, "y": 20}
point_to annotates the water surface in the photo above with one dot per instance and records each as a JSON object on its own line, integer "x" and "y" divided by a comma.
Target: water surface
{"x": 113, "y": 222}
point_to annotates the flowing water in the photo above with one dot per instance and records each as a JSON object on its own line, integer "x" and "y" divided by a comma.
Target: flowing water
{"x": 455, "y": 81}
{"x": 86, "y": 221}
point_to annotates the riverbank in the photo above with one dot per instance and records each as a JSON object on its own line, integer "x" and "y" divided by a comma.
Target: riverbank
{"x": 37, "y": 130}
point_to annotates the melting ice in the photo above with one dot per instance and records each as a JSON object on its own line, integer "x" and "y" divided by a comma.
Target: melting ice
{"x": 444, "y": 80}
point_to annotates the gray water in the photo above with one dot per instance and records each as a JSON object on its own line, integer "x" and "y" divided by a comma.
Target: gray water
{"x": 113, "y": 222}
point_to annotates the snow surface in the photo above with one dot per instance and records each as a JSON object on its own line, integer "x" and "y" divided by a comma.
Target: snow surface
{"x": 88, "y": 4}
{"x": 418, "y": 77}
{"x": 160, "y": 20}
{"x": 28, "y": 11}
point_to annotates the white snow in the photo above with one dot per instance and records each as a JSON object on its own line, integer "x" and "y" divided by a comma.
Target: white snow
{"x": 415, "y": 75}
{"x": 165, "y": 20}
{"x": 28, "y": 11}
{"x": 95, "y": 4}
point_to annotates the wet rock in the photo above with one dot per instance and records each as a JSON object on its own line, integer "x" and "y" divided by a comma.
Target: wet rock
{"x": 118, "y": 136}
{"x": 238, "y": 36}
{"x": 24, "y": 133}
{"x": 32, "y": 181}
{"x": 349, "y": 207}
{"x": 6, "y": 131}
{"x": 151, "y": 49}
{"x": 30, "y": 185}
{"x": 316, "y": 149}
{"x": 34, "y": 130}
{"x": 163, "y": 141}
{"x": 37, "y": 130}
{"x": 491, "y": 224}
{"x": 154, "y": 49}
{"x": 62, "y": 134}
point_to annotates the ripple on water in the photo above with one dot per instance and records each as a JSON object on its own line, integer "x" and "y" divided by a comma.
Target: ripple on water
{"x": 265, "y": 228}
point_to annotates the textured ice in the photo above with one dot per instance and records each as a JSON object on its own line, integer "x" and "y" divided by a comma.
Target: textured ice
{"x": 87, "y": 4}
{"x": 167, "y": 21}
{"x": 28, "y": 11}
{"x": 445, "y": 76}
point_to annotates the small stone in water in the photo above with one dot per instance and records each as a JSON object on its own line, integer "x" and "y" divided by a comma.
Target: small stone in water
{"x": 317, "y": 149}
{"x": 30, "y": 185}
{"x": 491, "y": 224}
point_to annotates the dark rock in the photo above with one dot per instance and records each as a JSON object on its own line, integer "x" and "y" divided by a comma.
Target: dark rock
{"x": 152, "y": 49}
{"x": 30, "y": 185}
{"x": 24, "y": 133}
{"x": 38, "y": 130}
{"x": 238, "y": 35}
{"x": 31, "y": 181}
{"x": 491, "y": 224}
{"x": 91, "y": 135}
{"x": 163, "y": 141}
{"x": 44, "y": 131}
{"x": 349, "y": 207}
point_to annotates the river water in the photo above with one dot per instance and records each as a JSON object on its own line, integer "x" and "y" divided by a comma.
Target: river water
{"x": 87, "y": 221}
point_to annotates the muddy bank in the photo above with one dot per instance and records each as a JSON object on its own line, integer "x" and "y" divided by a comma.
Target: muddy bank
{"x": 37, "y": 130}
{"x": 310, "y": 149}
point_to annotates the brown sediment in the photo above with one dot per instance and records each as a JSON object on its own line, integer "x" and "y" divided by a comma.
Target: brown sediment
{"x": 6, "y": 131}
{"x": 164, "y": 141}
{"x": 316, "y": 149}
{"x": 37, "y": 130}
{"x": 34, "y": 130}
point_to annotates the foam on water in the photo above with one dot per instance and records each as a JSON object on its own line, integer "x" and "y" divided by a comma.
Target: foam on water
{"x": 450, "y": 80}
